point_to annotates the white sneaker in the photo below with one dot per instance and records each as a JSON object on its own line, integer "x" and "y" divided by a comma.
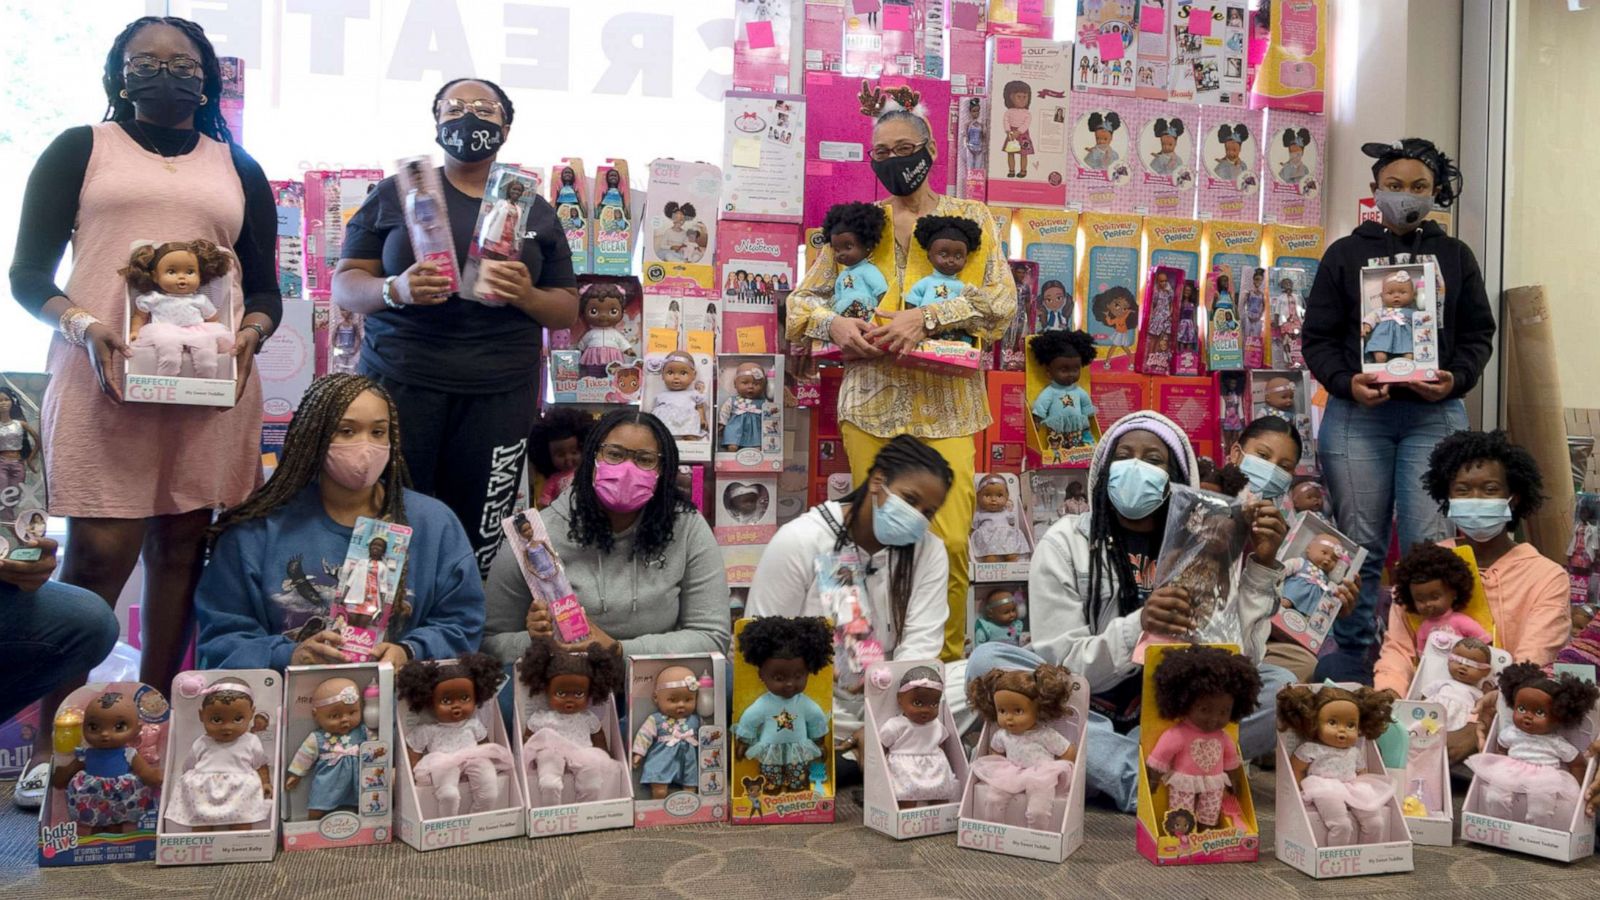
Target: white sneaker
{"x": 31, "y": 785}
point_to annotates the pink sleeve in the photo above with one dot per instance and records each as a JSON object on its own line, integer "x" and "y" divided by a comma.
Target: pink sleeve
{"x": 1546, "y": 616}
{"x": 1167, "y": 747}
{"x": 1397, "y": 660}
{"x": 1467, "y": 626}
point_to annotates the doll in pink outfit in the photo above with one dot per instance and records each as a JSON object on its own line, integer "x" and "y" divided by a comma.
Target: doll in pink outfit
{"x": 1018, "y": 120}
{"x": 178, "y": 316}
{"x": 1330, "y": 763}
{"x": 1434, "y": 583}
{"x": 454, "y": 744}
{"x": 563, "y": 734}
{"x": 1201, "y": 689}
{"x": 1027, "y": 754}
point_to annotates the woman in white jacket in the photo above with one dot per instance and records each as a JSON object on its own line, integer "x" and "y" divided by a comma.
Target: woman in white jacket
{"x": 868, "y": 563}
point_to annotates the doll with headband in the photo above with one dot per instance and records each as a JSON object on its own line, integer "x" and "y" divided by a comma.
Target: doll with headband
{"x": 743, "y": 416}
{"x": 1538, "y": 762}
{"x": 948, "y": 241}
{"x": 169, "y": 279}
{"x": 456, "y": 743}
{"x": 1330, "y": 763}
{"x": 1202, "y": 690}
{"x": 919, "y": 771}
{"x": 784, "y": 730}
{"x": 331, "y": 753}
{"x": 1166, "y": 160}
{"x": 563, "y": 734}
{"x": 1432, "y": 582}
{"x": 999, "y": 619}
{"x": 1387, "y": 331}
{"x": 681, "y": 407}
{"x": 1309, "y": 578}
{"x": 995, "y": 535}
{"x": 1063, "y": 408}
{"x": 109, "y": 785}
{"x": 1294, "y": 169}
{"x": 1100, "y": 156}
{"x": 227, "y": 778}
{"x": 603, "y": 343}
{"x": 666, "y": 749}
{"x": 1027, "y": 755}
{"x": 1468, "y": 665}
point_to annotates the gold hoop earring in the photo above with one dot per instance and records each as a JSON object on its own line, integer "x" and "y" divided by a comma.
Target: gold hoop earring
{"x": 123, "y": 93}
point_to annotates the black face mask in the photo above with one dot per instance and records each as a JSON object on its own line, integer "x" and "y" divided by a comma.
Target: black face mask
{"x": 165, "y": 99}
{"x": 902, "y": 175}
{"x": 470, "y": 139}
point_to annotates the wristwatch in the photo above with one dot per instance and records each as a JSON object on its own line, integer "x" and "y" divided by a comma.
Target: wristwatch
{"x": 929, "y": 323}
{"x": 388, "y": 293}
{"x": 260, "y": 332}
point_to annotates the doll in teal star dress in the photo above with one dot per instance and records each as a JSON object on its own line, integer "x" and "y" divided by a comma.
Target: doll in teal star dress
{"x": 852, "y": 231}
{"x": 784, "y": 730}
{"x": 1063, "y": 408}
{"x": 948, "y": 241}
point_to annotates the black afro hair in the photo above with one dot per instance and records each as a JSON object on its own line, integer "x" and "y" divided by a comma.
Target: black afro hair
{"x": 1571, "y": 697}
{"x": 807, "y": 638}
{"x": 1464, "y": 448}
{"x": 557, "y": 424}
{"x": 1102, "y": 302}
{"x": 416, "y": 680}
{"x": 864, "y": 220}
{"x": 545, "y": 659}
{"x": 1429, "y": 562}
{"x": 1190, "y": 673}
{"x": 1052, "y": 345}
{"x": 931, "y": 228}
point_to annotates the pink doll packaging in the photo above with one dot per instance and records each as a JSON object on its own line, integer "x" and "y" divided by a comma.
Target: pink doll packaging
{"x": 756, "y": 270}
{"x": 569, "y": 194}
{"x": 748, "y": 431}
{"x": 678, "y": 748}
{"x": 286, "y": 365}
{"x": 614, "y": 224}
{"x": 881, "y": 37}
{"x": 1254, "y": 320}
{"x": 1452, "y": 675}
{"x": 1232, "y": 406}
{"x": 1023, "y": 18}
{"x": 968, "y": 60}
{"x": 427, "y": 222}
{"x": 1583, "y": 550}
{"x": 972, "y": 160}
{"x": 679, "y": 390}
{"x": 692, "y": 483}
{"x": 598, "y": 360}
{"x": 331, "y": 198}
{"x": 339, "y": 763}
{"x": 1287, "y": 291}
{"x": 106, "y": 776}
{"x": 1152, "y": 50}
{"x": 998, "y": 612}
{"x": 458, "y": 782}
{"x": 1294, "y": 145}
{"x": 824, "y": 36}
{"x": 1290, "y": 74}
{"x": 1399, "y": 322}
{"x": 1316, "y": 559}
{"x": 339, "y": 338}
{"x": 1009, "y": 350}
{"x": 912, "y": 751}
{"x": 762, "y": 43}
{"x": 1192, "y": 403}
{"x": 1158, "y": 321}
{"x": 680, "y": 227}
{"x": 1103, "y": 47}
{"x": 1028, "y": 122}
{"x": 369, "y": 582}
{"x": 1163, "y": 138}
{"x": 746, "y": 510}
{"x": 840, "y": 114}
{"x": 1001, "y": 543}
{"x": 1230, "y": 164}
{"x": 1050, "y": 494}
{"x": 529, "y": 541}
{"x": 504, "y": 221}
{"x": 180, "y": 323}
{"x": 1101, "y": 153}
{"x": 763, "y": 156}
{"x": 1426, "y": 795}
{"x": 223, "y": 777}
{"x": 1286, "y": 394}
{"x": 1208, "y": 60}
{"x": 290, "y": 200}
{"x": 23, "y": 492}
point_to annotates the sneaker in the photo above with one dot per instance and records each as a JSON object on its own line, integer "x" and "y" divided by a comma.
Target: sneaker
{"x": 31, "y": 785}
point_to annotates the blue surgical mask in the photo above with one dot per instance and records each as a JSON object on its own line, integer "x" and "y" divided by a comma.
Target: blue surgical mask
{"x": 1480, "y": 518}
{"x": 1136, "y": 488}
{"x": 897, "y": 523}
{"x": 1267, "y": 480}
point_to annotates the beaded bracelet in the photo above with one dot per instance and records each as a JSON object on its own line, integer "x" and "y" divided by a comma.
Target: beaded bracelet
{"x": 75, "y": 324}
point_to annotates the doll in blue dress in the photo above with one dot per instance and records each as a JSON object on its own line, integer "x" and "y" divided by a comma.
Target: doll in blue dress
{"x": 331, "y": 753}
{"x": 743, "y": 416}
{"x": 1166, "y": 160}
{"x": 569, "y": 206}
{"x": 784, "y": 731}
{"x": 1309, "y": 578}
{"x": 613, "y": 207}
{"x": 1103, "y": 126}
{"x": 948, "y": 240}
{"x": 1388, "y": 331}
{"x": 852, "y": 231}
{"x": 1063, "y": 408}
{"x": 1294, "y": 169}
{"x": 666, "y": 750}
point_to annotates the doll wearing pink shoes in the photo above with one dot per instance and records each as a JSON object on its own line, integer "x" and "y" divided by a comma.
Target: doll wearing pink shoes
{"x": 456, "y": 743}
{"x": 564, "y": 735}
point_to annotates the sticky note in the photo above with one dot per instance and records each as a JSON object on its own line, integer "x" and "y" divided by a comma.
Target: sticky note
{"x": 747, "y": 153}
{"x": 819, "y": 169}
{"x": 897, "y": 18}
{"x": 1008, "y": 51}
{"x": 751, "y": 339}
{"x": 1152, "y": 19}
{"x": 701, "y": 342}
{"x": 964, "y": 16}
{"x": 758, "y": 35}
{"x": 1110, "y": 47}
{"x": 1200, "y": 20}
{"x": 662, "y": 340}
{"x": 862, "y": 7}
{"x": 1030, "y": 12}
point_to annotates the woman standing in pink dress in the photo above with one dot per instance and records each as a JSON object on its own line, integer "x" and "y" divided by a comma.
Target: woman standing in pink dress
{"x": 142, "y": 479}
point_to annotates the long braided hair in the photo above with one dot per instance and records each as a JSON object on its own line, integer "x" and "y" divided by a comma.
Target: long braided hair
{"x": 590, "y": 524}
{"x": 1108, "y": 547}
{"x": 903, "y": 455}
{"x": 208, "y": 118}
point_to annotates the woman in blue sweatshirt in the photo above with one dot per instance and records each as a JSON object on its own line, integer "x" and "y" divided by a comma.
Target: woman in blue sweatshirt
{"x": 263, "y": 600}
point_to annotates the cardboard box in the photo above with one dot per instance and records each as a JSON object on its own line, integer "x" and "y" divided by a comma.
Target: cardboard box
{"x": 1116, "y": 394}
{"x": 569, "y": 195}
{"x": 687, "y": 412}
{"x": 614, "y": 810}
{"x": 1230, "y": 186}
{"x": 680, "y": 222}
{"x": 173, "y": 362}
{"x": 1010, "y": 350}
{"x": 1191, "y": 403}
{"x": 1012, "y": 518}
{"x": 881, "y": 804}
{"x": 1164, "y": 142}
{"x": 762, "y": 36}
{"x": 1108, "y": 285}
{"x": 767, "y": 457}
{"x": 756, "y": 265}
{"x": 619, "y": 381}
{"x": 839, "y": 133}
{"x": 751, "y": 804}
{"x": 746, "y": 509}
{"x": 1423, "y": 784}
{"x": 1416, "y": 325}
{"x": 1037, "y": 74}
{"x": 1294, "y": 144}
{"x": 286, "y": 365}
{"x": 709, "y": 801}
{"x": 978, "y": 596}
{"x": 615, "y": 223}
{"x": 290, "y": 200}
{"x": 1047, "y": 449}
{"x": 1100, "y": 176}
{"x": 371, "y": 822}
{"x": 1159, "y": 316}
{"x": 1309, "y": 627}
{"x": 1006, "y": 438}
{"x": 763, "y": 156}
{"x": 332, "y": 196}
{"x": 1049, "y": 239}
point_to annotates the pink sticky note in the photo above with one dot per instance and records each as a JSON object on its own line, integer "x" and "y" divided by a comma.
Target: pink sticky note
{"x": 1110, "y": 46}
{"x": 897, "y": 18}
{"x": 1200, "y": 20}
{"x": 818, "y": 168}
{"x": 1152, "y": 19}
{"x": 964, "y": 16}
{"x": 862, "y": 7}
{"x": 758, "y": 35}
{"x": 1008, "y": 51}
{"x": 1030, "y": 12}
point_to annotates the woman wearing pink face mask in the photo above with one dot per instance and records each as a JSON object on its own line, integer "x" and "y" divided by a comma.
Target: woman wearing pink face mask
{"x": 263, "y": 600}
{"x": 641, "y": 560}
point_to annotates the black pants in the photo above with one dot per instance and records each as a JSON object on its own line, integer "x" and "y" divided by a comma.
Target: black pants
{"x": 467, "y": 450}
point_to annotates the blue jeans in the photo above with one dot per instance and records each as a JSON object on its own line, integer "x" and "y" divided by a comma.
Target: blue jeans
{"x": 1113, "y": 759}
{"x": 51, "y": 636}
{"x": 1373, "y": 461}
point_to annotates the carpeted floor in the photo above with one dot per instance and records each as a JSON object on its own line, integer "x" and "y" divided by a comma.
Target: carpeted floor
{"x": 840, "y": 860}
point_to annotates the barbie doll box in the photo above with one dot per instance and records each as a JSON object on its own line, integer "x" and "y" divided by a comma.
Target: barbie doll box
{"x": 994, "y": 821}
{"x": 1167, "y": 836}
{"x": 886, "y": 810}
{"x": 102, "y": 803}
{"x": 180, "y": 325}
{"x": 226, "y": 730}
{"x": 420, "y": 824}
{"x": 1000, "y": 543}
{"x": 755, "y": 800}
{"x": 1423, "y": 783}
{"x": 23, "y": 502}
{"x": 348, "y": 767}
{"x": 678, "y": 718}
{"x": 1399, "y": 322}
{"x": 549, "y": 817}
{"x": 1316, "y": 558}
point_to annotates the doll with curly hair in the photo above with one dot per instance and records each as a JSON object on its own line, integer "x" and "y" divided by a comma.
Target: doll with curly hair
{"x": 1063, "y": 408}
{"x": 1434, "y": 583}
{"x": 948, "y": 240}
{"x": 563, "y": 734}
{"x": 1201, "y": 689}
{"x": 451, "y": 742}
{"x": 1329, "y": 765}
{"x": 168, "y": 279}
{"x": 1538, "y": 761}
{"x": 853, "y": 231}
{"x": 784, "y": 730}
{"x": 1027, "y": 755}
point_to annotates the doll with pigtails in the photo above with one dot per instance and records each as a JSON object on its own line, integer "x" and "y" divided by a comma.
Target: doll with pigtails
{"x": 563, "y": 735}
{"x": 450, "y": 741}
{"x": 1330, "y": 763}
{"x": 1103, "y": 125}
{"x": 168, "y": 280}
{"x": 1027, "y": 755}
{"x": 1294, "y": 169}
{"x": 1166, "y": 160}
{"x": 1537, "y": 762}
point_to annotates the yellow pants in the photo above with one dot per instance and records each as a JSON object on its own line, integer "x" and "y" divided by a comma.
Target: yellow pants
{"x": 952, "y": 524}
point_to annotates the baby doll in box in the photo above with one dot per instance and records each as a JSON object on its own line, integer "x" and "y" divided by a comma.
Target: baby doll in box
{"x": 1202, "y": 690}
{"x": 455, "y": 744}
{"x": 1330, "y": 763}
{"x": 109, "y": 785}
{"x": 227, "y": 778}
{"x": 1027, "y": 756}
{"x": 563, "y": 735}
{"x": 914, "y": 742}
{"x": 178, "y": 318}
{"x": 331, "y": 753}
{"x": 1537, "y": 761}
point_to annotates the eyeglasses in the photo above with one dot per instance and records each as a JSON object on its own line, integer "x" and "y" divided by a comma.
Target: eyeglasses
{"x": 881, "y": 153}
{"x": 644, "y": 459}
{"x": 149, "y": 66}
{"x": 483, "y": 109}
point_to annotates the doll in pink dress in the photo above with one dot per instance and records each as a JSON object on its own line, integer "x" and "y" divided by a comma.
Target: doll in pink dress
{"x": 603, "y": 343}
{"x": 1017, "y": 144}
{"x": 1435, "y": 584}
{"x": 918, "y": 768}
{"x": 455, "y": 744}
{"x": 169, "y": 278}
{"x": 1330, "y": 763}
{"x": 1027, "y": 755}
{"x": 1202, "y": 689}
{"x": 1538, "y": 762}
{"x": 562, "y": 733}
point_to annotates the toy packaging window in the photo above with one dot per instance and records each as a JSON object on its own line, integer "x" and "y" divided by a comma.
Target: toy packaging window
{"x": 782, "y": 768}
{"x": 746, "y": 510}
{"x": 678, "y": 750}
{"x": 678, "y": 390}
{"x": 912, "y": 751}
{"x": 1160, "y": 319}
{"x": 1051, "y": 494}
{"x": 573, "y": 205}
{"x": 24, "y": 501}
{"x": 749, "y": 424}
{"x": 571, "y": 757}
{"x": 1010, "y": 351}
{"x": 504, "y": 222}
{"x": 1286, "y": 394}
{"x": 180, "y": 324}
{"x": 614, "y": 224}
{"x": 599, "y": 359}
{"x": 1399, "y": 322}
{"x": 998, "y": 612}
{"x": 972, "y": 133}
{"x": 339, "y": 759}
{"x": 1316, "y": 558}
{"x": 1287, "y": 289}
{"x": 427, "y": 221}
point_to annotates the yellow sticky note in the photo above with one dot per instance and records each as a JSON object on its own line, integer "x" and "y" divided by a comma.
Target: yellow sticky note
{"x": 702, "y": 342}
{"x": 751, "y": 339}
{"x": 662, "y": 340}
{"x": 747, "y": 153}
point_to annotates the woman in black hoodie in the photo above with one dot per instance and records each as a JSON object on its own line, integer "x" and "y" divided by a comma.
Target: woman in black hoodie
{"x": 1376, "y": 438}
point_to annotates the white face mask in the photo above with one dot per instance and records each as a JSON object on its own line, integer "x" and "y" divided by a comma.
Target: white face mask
{"x": 1480, "y": 519}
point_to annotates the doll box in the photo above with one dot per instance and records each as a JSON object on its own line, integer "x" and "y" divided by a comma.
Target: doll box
{"x": 766, "y": 456}
{"x": 615, "y": 371}
{"x": 1043, "y": 451}
{"x": 1001, "y": 570}
{"x": 688, "y": 422}
{"x": 1434, "y": 665}
{"x": 615, "y": 811}
{"x": 1006, "y": 438}
{"x": 746, "y": 510}
{"x": 419, "y": 826}
{"x": 881, "y": 807}
{"x": 750, "y": 805}
{"x": 180, "y": 845}
{"x": 373, "y": 821}
{"x": 1309, "y": 628}
{"x": 681, "y": 203}
{"x": 143, "y": 382}
{"x": 944, "y": 357}
{"x": 976, "y": 833}
{"x": 62, "y": 841}
{"x": 709, "y": 802}
{"x": 979, "y": 594}
{"x": 1424, "y": 782}
{"x": 1421, "y": 361}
